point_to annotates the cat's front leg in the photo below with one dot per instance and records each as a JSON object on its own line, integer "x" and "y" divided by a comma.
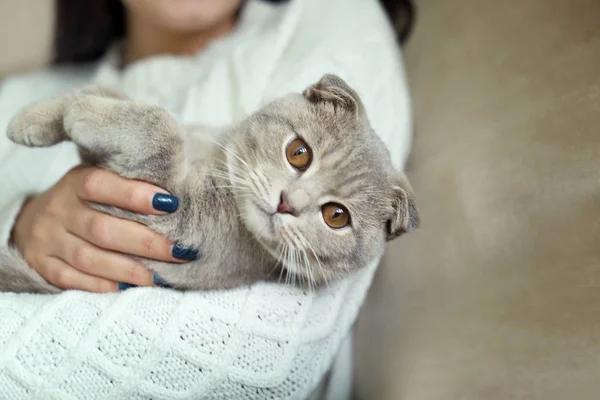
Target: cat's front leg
{"x": 41, "y": 124}
{"x": 135, "y": 140}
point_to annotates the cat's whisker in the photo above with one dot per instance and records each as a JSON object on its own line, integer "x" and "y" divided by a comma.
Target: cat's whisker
{"x": 247, "y": 174}
{"x": 236, "y": 182}
{"x": 241, "y": 191}
{"x": 239, "y": 177}
{"x": 230, "y": 151}
{"x": 278, "y": 250}
{"x": 237, "y": 172}
{"x": 227, "y": 170}
{"x": 291, "y": 263}
{"x": 297, "y": 265}
{"x": 279, "y": 262}
{"x": 240, "y": 188}
{"x": 228, "y": 166}
{"x": 260, "y": 182}
{"x": 232, "y": 180}
{"x": 295, "y": 232}
{"x": 261, "y": 177}
{"x": 223, "y": 175}
{"x": 293, "y": 266}
{"x": 308, "y": 268}
{"x": 301, "y": 261}
{"x": 306, "y": 264}
{"x": 286, "y": 263}
{"x": 262, "y": 191}
{"x": 307, "y": 244}
{"x": 251, "y": 180}
{"x": 289, "y": 271}
{"x": 265, "y": 182}
{"x": 289, "y": 266}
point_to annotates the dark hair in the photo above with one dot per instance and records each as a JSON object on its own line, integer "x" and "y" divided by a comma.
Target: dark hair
{"x": 85, "y": 29}
{"x": 402, "y": 15}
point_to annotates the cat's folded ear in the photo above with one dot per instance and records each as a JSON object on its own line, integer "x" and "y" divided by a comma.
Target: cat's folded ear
{"x": 405, "y": 215}
{"x": 334, "y": 90}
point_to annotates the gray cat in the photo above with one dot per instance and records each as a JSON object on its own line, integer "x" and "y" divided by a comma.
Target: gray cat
{"x": 303, "y": 187}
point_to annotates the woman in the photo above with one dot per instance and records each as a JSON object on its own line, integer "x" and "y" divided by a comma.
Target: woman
{"x": 210, "y": 62}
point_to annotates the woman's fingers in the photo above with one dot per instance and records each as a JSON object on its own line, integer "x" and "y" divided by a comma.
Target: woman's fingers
{"x": 105, "y": 187}
{"x": 124, "y": 236}
{"x": 62, "y": 275}
{"x": 106, "y": 264}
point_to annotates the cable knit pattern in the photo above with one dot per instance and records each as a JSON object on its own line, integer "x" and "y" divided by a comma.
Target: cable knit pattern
{"x": 267, "y": 341}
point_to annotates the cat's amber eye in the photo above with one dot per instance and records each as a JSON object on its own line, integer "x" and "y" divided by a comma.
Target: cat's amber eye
{"x": 298, "y": 154}
{"x": 335, "y": 215}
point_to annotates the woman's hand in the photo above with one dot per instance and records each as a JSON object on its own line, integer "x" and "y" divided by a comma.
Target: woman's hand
{"x": 76, "y": 247}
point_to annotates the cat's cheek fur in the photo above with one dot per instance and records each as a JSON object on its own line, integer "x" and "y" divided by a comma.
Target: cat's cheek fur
{"x": 257, "y": 221}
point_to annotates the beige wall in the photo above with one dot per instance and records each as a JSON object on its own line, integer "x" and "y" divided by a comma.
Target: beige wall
{"x": 497, "y": 295}
{"x": 25, "y": 34}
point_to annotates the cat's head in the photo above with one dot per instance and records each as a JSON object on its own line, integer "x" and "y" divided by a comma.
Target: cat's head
{"x": 316, "y": 185}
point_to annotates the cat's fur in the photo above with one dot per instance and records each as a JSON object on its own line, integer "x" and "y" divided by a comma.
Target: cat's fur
{"x": 229, "y": 182}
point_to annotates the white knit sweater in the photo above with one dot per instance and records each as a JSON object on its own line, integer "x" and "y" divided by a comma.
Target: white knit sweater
{"x": 266, "y": 341}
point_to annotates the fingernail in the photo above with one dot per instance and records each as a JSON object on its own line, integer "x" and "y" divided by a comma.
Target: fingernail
{"x": 159, "y": 281}
{"x": 184, "y": 253}
{"x": 125, "y": 286}
{"x": 165, "y": 202}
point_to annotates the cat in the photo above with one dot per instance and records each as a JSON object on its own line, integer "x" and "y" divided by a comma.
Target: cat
{"x": 302, "y": 187}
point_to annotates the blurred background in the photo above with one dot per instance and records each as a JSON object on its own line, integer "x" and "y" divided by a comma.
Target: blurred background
{"x": 26, "y": 29}
{"x": 497, "y": 296}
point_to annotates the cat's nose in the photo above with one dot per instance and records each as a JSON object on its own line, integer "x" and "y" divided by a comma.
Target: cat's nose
{"x": 284, "y": 206}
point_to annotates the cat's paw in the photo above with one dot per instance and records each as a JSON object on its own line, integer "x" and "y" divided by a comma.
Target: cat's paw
{"x": 36, "y": 127}
{"x": 31, "y": 135}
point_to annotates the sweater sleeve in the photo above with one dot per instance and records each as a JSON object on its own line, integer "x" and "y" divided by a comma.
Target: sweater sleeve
{"x": 14, "y": 185}
{"x": 27, "y": 171}
{"x": 11, "y": 199}
{"x": 267, "y": 341}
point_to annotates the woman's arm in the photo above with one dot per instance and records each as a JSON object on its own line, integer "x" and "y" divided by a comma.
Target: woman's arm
{"x": 59, "y": 235}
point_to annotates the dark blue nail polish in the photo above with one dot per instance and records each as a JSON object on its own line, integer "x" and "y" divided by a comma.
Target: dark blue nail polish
{"x": 125, "y": 286}
{"x": 159, "y": 281}
{"x": 165, "y": 202}
{"x": 184, "y": 253}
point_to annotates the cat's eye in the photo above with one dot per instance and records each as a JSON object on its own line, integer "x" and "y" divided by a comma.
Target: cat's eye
{"x": 298, "y": 154}
{"x": 335, "y": 215}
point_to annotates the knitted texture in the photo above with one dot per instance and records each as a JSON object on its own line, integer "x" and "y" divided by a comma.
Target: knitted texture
{"x": 267, "y": 341}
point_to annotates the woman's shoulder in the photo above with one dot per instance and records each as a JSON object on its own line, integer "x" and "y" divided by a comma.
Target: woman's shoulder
{"x": 346, "y": 23}
{"x": 350, "y": 38}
